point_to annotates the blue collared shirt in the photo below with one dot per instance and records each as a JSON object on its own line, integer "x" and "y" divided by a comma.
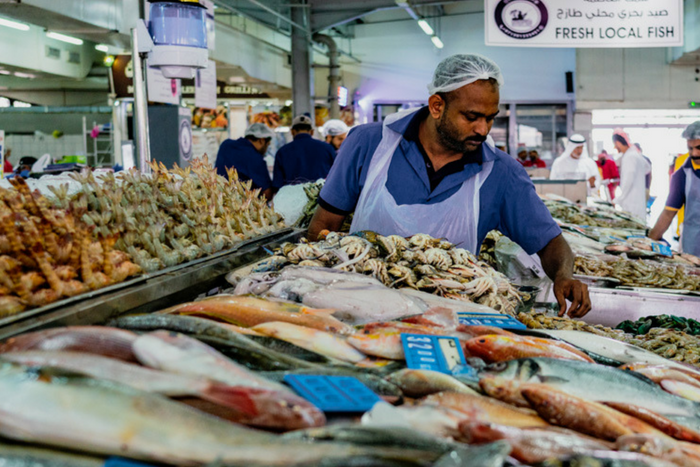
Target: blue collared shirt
{"x": 242, "y": 155}
{"x": 303, "y": 160}
{"x": 508, "y": 201}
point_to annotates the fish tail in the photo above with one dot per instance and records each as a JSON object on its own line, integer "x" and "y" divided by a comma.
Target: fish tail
{"x": 235, "y": 397}
{"x": 317, "y": 311}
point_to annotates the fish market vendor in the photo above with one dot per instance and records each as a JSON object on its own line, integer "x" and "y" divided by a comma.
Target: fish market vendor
{"x": 427, "y": 171}
{"x": 685, "y": 191}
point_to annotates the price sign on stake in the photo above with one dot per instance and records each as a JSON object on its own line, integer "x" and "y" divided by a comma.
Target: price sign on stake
{"x": 495, "y": 320}
{"x": 436, "y": 353}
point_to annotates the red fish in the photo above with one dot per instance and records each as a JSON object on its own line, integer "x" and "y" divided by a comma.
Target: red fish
{"x": 497, "y": 348}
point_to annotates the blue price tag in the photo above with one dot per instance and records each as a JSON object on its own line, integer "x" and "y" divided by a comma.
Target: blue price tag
{"x": 122, "y": 462}
{"x": 334, "y": 393}
{"x": 495, "y": 320}
{"x": 436, "y": 353}
{"x": 662, "y": 249}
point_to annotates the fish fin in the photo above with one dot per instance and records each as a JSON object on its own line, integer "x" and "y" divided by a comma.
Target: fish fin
{"x": 551, "y": 379}
{"x": 235, "y": 397}
{"x": 318, "y": 311}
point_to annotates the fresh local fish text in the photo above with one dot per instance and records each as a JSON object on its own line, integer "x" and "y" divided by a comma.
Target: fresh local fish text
{"x": 614, "y": 33}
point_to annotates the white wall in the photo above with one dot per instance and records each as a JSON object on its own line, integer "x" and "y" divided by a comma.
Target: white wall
{"x": 633, "y": 79}
{"x": 37, "y": 146}
{"x": 398, "y": 60}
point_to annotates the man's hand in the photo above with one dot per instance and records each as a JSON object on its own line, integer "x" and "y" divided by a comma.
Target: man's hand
{"x": 577, "y": 293}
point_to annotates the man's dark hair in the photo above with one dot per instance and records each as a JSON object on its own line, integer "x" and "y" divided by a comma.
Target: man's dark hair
{"x": 254, "y": 139}
{"x": 620, "y": 140}
{"x": 302, "y": 127}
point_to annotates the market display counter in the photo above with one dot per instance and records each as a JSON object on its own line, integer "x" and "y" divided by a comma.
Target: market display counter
{"x": 148, "y": 292}
{"x": 612, "y": 306}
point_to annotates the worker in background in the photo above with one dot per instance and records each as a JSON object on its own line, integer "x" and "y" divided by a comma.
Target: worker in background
{"x": 304, "y": 159}
{"x": 684, "y": 192}
{"x": 24, "y": 166}
{"x": 534, "y": 159}
{"x": 335, "y": 131}
{"x": 609, "y": 172}
{"x": 7, "y": 166}
{"x": 573, "y": 164}
{"x": 246, "y": 155}
{"x": 633, "y": 170}
{"x": 431, "y": 170}
{"x": 522, "y": 155}
{"x": 647, "y": 179}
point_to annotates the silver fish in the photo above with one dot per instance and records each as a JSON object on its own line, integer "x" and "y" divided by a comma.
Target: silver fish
{"x": 92, "y": 416}
{"x": 21, "y": 455}
{"x": 594, "y": 382}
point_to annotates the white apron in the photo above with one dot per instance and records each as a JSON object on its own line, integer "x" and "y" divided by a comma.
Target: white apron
{"x": 690, "y": 239}
{"x": 455, "y": 219}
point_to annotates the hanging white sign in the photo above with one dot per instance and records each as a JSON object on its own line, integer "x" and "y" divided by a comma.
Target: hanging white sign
{"x": 584, "y": 23}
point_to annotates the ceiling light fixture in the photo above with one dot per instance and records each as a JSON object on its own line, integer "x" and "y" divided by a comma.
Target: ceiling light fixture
{"x": 425, "y": 27}
{"x": 5, "y": 72}
{"x": 102, "y": 48}
{"x": 14, "y": 24}
{"x": 64, "y": 38}
{"x": 19, "y": 74}
{"x": 437, "y": 42}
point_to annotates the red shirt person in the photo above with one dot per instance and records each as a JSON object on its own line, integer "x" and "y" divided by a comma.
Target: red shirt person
{"x": 608, "y": 170}
{"x": 534, "y": 160}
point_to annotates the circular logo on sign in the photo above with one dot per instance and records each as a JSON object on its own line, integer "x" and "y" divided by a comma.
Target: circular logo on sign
{"x": 521, "y": 19}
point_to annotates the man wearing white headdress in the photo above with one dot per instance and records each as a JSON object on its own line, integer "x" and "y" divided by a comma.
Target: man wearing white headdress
{"x": 574, "y": 164}
{"x": 428, "y": 171}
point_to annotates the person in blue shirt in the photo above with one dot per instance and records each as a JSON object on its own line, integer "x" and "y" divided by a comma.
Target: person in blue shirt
{"x": 304, "y": 159}
{"x": 429, "y": 171}
{"x": 246, "y": 155}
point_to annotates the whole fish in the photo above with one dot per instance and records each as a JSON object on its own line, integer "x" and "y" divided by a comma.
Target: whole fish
{"x": 22, "y": 455}
{"x": 593, "y": 382}
{"x": 485, "y": 409}
{"x": 91, "y": 416}
{"x": 658, "y": 373}
{"x": 492, "y": 455}
{"x": 679, "y": 388}
{"x": 592, "y": 418}
{"x": 251, "y": 406}
{"x": 382, "y": 342}
{"x": 611, "y": 348}
{"x": 177, "y": 353}
{"x": 498, "y": 348}
{"x": 374, "y": 382}
{"x": 661, "y": 448}
{"x": 506, "y": 390}
{"x": 249, "y": 311}
{"x": 661, "y": 423}
{"x": 438, "y": 316}
{"x": 531, "y": 445}
{"x": 312, "y": 339}
{"x": 432, "y": 419}
{"x": 101, "y": 340}
{"x": 419, "y": 383}
{"x": 243, "y": 348}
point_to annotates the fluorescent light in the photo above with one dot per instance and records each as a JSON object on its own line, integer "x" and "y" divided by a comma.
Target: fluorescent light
{"x": 14, "y": 24}
{"x": 19, "y": 74}
{"x": 437, "y": 42}
{"x": 425, "y": 27}
{"x": 102, "y": 48}
{"x": 5, "y": 72}
{"x": 64, "y": 38}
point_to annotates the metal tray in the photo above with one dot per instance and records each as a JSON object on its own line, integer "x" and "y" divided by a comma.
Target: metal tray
{"x": 595, "y": 281}
{"x": 148, "y": 292}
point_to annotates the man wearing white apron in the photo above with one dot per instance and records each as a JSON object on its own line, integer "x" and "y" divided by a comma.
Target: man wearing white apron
{"x": 427, "y": 171}
{"x": 685, "y": 191}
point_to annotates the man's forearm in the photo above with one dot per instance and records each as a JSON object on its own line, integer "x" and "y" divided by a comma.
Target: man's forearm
{"x": 324, "y": 220}
{"x": 662, "y": 224}
{"x": 557, "y": 259}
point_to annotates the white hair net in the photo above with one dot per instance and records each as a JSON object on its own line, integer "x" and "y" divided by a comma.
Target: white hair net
{"x": 259, "y": 130}
{"x": 462, "y": 69}
{"x": 334, "y": 127}
{"x": 692, "y": 131}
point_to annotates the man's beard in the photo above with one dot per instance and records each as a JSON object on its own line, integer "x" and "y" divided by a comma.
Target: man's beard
{"x": 449, "y": 137}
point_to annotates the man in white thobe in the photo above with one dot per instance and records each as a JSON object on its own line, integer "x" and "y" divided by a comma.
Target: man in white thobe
{"x": 574, "y": 164}
{"x": 633, "y": 171}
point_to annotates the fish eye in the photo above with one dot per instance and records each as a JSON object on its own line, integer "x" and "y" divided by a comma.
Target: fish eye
{"x": 500, "y": 366}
